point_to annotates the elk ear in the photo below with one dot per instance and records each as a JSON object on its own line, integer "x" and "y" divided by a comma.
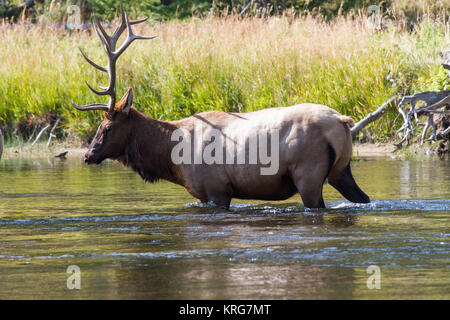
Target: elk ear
{"x": 124, "y": 105}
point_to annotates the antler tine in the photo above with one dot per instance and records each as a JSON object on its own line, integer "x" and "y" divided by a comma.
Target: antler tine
{"x": 92, "y": 106}
{"x": 131, "y": 37}
{"x": 118, "y": 32}
{"x": 109, "y": 39}
{"x": 108, "y": 45}
{"x": 100, "y": 93}
{"x": 104, "y": 41}
{"x": 92, "y": 63}
{"x": 133, "y": 22}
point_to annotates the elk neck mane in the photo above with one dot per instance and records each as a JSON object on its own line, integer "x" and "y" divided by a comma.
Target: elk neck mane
{"x": 148, "y": 150}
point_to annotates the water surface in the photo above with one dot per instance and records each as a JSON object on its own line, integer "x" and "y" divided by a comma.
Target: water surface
{"x": 131, "y": 239}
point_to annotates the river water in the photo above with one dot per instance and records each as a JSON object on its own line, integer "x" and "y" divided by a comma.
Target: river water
{"x": 136, "y": 240}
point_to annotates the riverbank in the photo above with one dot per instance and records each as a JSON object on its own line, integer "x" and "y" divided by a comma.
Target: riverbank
{"x": 77, "y": 150}
{"x": 40, "y": 150}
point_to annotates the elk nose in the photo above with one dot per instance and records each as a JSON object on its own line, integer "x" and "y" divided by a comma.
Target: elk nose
{"x": 86, "y": 158}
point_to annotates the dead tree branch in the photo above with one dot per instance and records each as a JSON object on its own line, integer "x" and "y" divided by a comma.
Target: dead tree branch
{"x": 433, "y": 101}
{"x": 40, "y": 134}
{"x": 437, "y": 106}
{"x": 51, "y": 132}
{"x": 371, "y": 117}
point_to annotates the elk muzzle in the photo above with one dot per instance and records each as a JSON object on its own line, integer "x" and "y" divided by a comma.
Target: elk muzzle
{"x": 90, "y": 157}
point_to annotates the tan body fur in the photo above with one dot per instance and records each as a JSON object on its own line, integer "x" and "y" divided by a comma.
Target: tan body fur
{"x": 305, "y": 132}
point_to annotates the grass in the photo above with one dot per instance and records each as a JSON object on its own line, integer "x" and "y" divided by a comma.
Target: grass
{"x": 226, "y": 63}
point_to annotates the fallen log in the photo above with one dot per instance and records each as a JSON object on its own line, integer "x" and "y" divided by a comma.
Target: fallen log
{"x": 371, "y": 117}
{"x": 434, "y": 100}
{"x": 437, "y": 103}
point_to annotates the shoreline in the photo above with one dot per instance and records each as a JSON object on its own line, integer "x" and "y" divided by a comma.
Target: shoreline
{"x": 77, "y": 150}
{"x": 374, "y": 150}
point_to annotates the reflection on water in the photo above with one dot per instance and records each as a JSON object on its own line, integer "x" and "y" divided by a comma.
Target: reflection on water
{"x": 137, "y": 240}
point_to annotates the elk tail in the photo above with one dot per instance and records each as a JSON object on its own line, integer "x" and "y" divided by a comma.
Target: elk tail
{"x": 346, "y": 120}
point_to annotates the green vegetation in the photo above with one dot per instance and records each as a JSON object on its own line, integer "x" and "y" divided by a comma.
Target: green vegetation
{"x": 221, "y": 63}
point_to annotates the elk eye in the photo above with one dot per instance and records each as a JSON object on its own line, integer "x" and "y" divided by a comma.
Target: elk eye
{"x": 107, "y": 129}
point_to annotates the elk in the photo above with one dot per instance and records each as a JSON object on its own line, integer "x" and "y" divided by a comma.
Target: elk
{"x": 314, "y": 144}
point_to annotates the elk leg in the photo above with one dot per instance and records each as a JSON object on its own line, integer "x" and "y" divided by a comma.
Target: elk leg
{"x": 347, "y": 186}
{"x": 220, "y": 198}
{"x": 311, "y": 196}
{"x": 219, "y": 201}
{"x": 310, "y": 186}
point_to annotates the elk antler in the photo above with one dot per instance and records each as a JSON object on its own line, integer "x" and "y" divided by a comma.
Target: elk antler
{"x": 109, "y": 45}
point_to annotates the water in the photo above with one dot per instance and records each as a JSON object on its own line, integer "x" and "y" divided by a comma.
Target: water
{"x": 136, "y": 240}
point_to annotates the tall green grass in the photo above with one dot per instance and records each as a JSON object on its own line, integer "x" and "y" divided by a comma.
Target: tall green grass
{"x": 226, "y": 63}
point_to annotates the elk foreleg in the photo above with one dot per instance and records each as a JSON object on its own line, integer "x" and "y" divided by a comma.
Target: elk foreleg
{"x": 220, "y": 197}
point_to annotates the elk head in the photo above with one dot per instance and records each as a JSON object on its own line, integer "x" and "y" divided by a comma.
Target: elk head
{"x": 113, "y": 133}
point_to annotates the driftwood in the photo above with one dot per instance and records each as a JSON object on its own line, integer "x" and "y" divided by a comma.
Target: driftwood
{"x": 371, "y": 117}
{"x": 437, "y": 105}
{"x": 51, "y": 132}
{"x": 436, "y": 102}
{"x": 436, "y": 109}
{"x": 40, "y": 134}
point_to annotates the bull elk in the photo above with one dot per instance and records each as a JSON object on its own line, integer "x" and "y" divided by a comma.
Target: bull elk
{"x": 314, "y": 144}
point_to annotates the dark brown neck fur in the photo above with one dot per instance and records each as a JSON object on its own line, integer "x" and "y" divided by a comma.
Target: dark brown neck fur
{"x": 148, "y": 151}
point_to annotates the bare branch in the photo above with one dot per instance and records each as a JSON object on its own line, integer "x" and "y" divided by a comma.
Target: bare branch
{"x": 445, "y": 132}
{"x": 438, "y": 104}
{"x": 433, "y": 101}
{"x": 371, "y": 117}
{"x": 40, "y": 134}
{"x": 51, "y": 132}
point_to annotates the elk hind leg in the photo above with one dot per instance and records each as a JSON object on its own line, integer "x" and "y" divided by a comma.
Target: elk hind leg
{"x": 347, "y": 186}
